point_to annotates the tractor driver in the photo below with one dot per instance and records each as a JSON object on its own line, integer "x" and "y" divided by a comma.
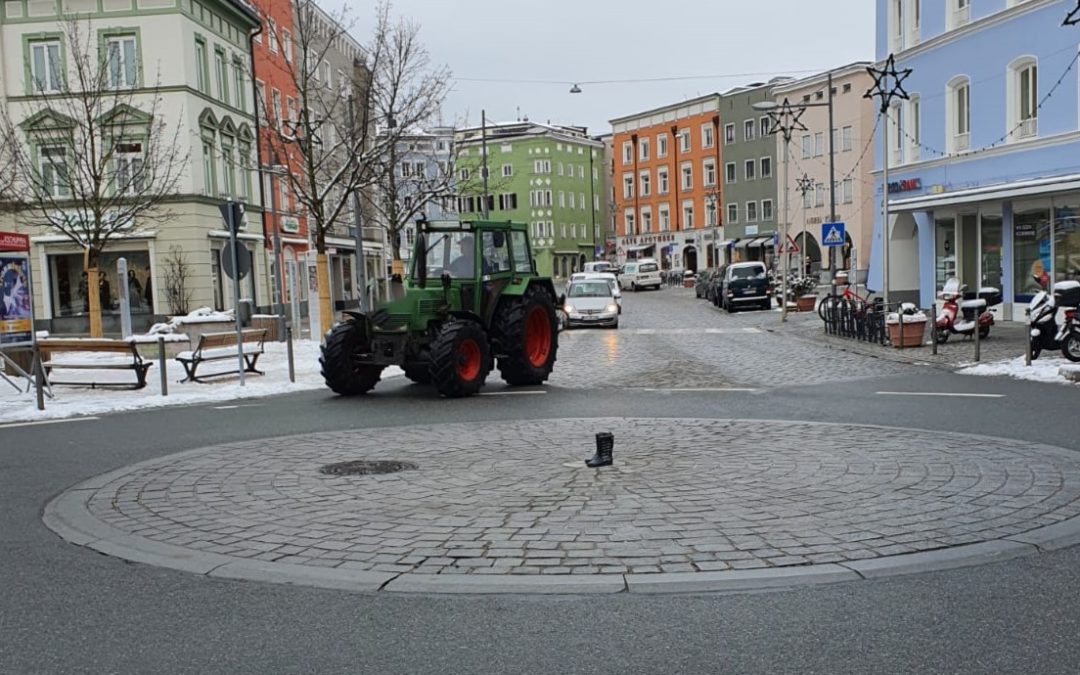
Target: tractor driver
{"x": 464, "y": 265}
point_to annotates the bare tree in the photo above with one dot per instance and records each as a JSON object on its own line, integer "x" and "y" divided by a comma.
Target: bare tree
{"x": 342, "y": 131}
{"x": 92, "y": 154}
{"x": 177, "y": 276}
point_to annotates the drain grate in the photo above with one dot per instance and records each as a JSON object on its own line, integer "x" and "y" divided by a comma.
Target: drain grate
{"x": 367, "y": 467}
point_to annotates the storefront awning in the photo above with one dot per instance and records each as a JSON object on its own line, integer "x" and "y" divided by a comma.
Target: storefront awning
{"x": 725, "y": 243}
{"x": 1027, "y": 188}
{"x": 761, "y": 241}
{"x": 743, "y": 243}
{"x": 635, "y": 249}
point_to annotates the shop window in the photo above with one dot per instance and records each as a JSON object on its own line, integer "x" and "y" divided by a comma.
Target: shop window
{"x": 1031, "y": 251}
{"x": 944, "y": 251}
{"x": 1066, "y": 241}
{"x": 70, "y": 286}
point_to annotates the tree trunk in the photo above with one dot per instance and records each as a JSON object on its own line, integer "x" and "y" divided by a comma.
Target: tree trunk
{"x": 326, "y": 312}
{"x": 93, "y": 294}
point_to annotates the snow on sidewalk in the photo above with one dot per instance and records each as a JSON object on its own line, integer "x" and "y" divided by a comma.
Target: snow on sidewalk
{"x": 1045, "y": 369}
{"x": 73, "y": 401}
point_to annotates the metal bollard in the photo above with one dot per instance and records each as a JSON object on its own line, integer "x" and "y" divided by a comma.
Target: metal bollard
{"x": 978, "y": 330}
{"x": 289, "y": 350}
{"x": 161, "y": 362}
{"x": 933, "y": 327}
{"x": 1027, "y": 342}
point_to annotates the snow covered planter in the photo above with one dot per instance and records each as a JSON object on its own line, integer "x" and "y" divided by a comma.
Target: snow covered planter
{"x": 906, "y": 327}
{"x": 195, "y": 323}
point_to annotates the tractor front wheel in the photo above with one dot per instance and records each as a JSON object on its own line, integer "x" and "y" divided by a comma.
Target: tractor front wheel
{"x": 342, "y": 371}
{"x": 460, "y": 359}
{"x": 528, "y": 332}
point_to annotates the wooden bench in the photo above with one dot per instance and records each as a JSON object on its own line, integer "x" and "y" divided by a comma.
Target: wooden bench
{"x": 50, "y": 346}
{"x": 222, "y": 347}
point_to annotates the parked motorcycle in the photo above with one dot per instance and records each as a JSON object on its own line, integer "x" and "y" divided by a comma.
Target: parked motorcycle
{"x": 1067, "y": 296}
{"x": 963, "y": 311}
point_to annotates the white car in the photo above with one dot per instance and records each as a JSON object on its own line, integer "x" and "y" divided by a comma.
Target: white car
{"x": 606, "y": 276}
{"x": 589, "y": 302}
{"x": 640, "y": 274}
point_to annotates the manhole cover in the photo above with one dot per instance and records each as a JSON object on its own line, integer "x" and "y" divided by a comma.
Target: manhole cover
{"x": 366, "y": 467}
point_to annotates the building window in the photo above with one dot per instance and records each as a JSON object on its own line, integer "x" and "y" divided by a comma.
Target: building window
{"x": 687, "y": 177}
{"x": 643, "y": 151}
{"x": 808, "y": 199}
{"x": 646, "y": 181}
{"x": 1023, "y": 99}
{"x": 732, "y": 213}
{"x": 706, "y": 136}
{"x": 895, "y": 121}
{"x": 507, "y": 170}
{"x": 128, "y": 159}
{"x": 53, "y": 169}
{"x": 958, "y": 13}
{"x": 627, "y": 153}
{"x": 819, "y": 194}
{"x": 542, "y": 166}
{"x": 238, "y": 83}
{"x": 260, "y": 105}
{"x": 750, "y": 170}
{"x": 710, "y": 213}
{"x": 228, "y": 164}
{"x": 766, "y": 210}
{"x": 278, "y": 117}
{"x": 766, "y": 167}
{"x": 709, "y": 169}
{"x": 751, "y": 212}
{"x": 765, "y": 129}
{"x": 464, "y": 174}
{"x": 662, "y": 180}
{"x": 661, "y": 145}
{"x": 646, "y": 220}
{"x": 628, "y": 186}
{"x": 807, "y": 146}
{"x": 123, "y": 61}
{"x": 729, "y": 134}
{"x": 847, "y": 139}
{"x": 819, "y": 144}
{"x": 287, "y": 45}
{"x": 665, "y": 218}
{"x": 847, "y": 190}
{"x": 748, "y": 130}
{"x": 684, "y": 140}
{"x": 628, "y": 218}
{"x": 209, "y": 174}
{"x": 45, "y": 67}
{"x": 202, "y": 67}
{"x": 914, "y": 128}
{"x": 688, "y": 216}
{"x": 221, "y": 75}
{"x": 729, "y": 173}
{"x": 273, "y": 35}
{"x": 958, "y": 109}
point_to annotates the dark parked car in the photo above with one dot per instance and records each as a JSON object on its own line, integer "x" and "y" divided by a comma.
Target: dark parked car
{"x": 745, "y": 284}
{"x": 704, "y": 278}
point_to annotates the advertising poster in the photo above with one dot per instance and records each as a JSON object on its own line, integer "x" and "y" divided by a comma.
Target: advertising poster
{"x": 16, "y": 306}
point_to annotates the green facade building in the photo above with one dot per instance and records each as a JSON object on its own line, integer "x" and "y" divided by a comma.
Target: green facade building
{"x": 551, "y": 177}
{"x": 749, "y": 174}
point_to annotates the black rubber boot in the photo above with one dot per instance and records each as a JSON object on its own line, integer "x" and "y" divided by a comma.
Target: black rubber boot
{"x": 605, "y": 445}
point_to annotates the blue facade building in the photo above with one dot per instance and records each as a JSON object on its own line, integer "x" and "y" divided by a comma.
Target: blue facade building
{"x": 984, "y": 159}
{"x": 423, "y": 162}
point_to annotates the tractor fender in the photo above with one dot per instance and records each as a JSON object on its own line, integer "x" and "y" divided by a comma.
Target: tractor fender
{"x": 359, "y": 316}
{"x": 466, "y": 315}
{"x": 547, "y": 285}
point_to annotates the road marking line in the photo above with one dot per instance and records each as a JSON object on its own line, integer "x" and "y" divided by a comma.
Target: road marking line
{"x": 63, "y": 421}
{"x": 512, "y": 393}
{"x": 685, "y": 331}
{"x": 942, "y": 394}
{"x": 698, "y": 389}
{"x": 234, "y": 407}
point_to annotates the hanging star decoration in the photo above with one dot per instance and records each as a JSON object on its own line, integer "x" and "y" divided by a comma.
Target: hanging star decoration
{"x": 882, "y": 79}
{"x": 1073, "y": 17}
{"x": 786, "y": 119}
{"x": 805, "y": 184}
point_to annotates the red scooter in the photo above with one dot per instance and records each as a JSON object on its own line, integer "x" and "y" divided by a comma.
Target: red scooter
{"x": 960, "y": 309}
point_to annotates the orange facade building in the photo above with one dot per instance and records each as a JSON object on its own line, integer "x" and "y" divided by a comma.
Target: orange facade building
{"x": 275, "y": 53}
{"x": 666, "y": 179}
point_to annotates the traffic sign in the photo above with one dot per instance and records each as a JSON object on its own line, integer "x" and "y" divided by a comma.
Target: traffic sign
{"x": 243, "y": 260}
{"x": 237, "y": 214}
{"x": 832, "y": 234}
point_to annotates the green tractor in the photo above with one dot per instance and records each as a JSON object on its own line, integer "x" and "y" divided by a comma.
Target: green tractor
{"x": 472, "y": 298}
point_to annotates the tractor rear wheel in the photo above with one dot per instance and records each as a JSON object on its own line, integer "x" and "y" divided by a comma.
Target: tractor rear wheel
{"x": 528, "y": 331}
{"x": 460, "y": 359}
{"x": 341, "y": 370}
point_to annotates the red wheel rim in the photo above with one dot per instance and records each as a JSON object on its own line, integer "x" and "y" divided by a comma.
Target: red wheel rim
{"x": 537, "y": 337}
{"x": 468, "y": 353}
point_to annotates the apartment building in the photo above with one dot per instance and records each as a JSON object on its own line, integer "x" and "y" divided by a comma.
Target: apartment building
{"x": 666, "y": 178}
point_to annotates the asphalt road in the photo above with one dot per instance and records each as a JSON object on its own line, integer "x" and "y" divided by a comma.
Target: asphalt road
{"x": 65, "y": 609}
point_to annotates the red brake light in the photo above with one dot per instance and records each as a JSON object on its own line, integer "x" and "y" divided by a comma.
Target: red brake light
{"x": 1069, "y": 313}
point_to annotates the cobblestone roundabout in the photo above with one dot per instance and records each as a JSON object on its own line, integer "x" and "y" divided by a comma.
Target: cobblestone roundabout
{"x": 515, "y": 498}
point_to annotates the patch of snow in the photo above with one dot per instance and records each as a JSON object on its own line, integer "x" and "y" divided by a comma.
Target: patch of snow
{"x": 74, "y": 401}
{"x": 1044, "y": 369}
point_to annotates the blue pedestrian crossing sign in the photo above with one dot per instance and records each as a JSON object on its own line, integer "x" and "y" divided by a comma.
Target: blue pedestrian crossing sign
{"x": 832, "y": 234}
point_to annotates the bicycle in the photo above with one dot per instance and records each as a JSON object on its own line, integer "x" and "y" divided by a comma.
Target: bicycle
{"x": 830, "y": 301}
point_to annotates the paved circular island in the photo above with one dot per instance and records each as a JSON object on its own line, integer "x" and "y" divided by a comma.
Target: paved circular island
{"x": 689, "y": 505}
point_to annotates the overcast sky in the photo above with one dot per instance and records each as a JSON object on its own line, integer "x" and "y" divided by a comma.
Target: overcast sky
{"x": 733, "y": 42}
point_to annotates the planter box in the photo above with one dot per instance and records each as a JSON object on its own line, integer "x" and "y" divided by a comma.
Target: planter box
{"x": 913, "y": 334}
{"x": 806, "y": 303}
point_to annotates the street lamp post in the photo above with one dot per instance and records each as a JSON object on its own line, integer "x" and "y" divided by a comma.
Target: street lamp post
{"x": 785, "y": 119}
{"x": 275, "y": 169}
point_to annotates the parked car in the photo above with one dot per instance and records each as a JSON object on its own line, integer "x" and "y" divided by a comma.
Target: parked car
{"x": 704, "y": 278}
{"x": 745, "y": 284}
{"x": 640, "y": 274}
{"x": 590, "y": 302}
{"x": 599, "y": 266}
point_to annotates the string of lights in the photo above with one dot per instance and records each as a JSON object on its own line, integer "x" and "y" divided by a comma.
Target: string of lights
{"x": 641, "y": 80}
